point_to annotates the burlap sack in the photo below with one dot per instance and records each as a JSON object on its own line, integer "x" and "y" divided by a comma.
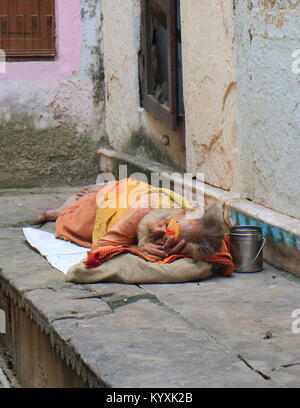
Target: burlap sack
{"x": 128, "y": 268}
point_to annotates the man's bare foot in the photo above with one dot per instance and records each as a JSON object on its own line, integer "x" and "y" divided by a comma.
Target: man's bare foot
{"x": 50, "y": 215}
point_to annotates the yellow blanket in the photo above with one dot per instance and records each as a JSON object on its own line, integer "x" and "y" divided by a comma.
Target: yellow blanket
{"x": 118, "y": 197}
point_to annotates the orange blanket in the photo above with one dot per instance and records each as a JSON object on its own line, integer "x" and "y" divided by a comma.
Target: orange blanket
{"x": 100, "y": 255}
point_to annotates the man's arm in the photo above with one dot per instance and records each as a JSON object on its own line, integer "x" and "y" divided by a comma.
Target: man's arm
{"x": 124, "y": 233}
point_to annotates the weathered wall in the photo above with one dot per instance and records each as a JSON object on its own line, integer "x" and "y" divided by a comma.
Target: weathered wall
{"x": 268, "y": 102}
{"x": 124, "y": 116}
{"x": 52, "y": 112}
{"x": 209, "y": 83}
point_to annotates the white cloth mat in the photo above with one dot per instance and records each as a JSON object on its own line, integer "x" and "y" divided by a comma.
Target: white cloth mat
{"x": 59, "y": 253}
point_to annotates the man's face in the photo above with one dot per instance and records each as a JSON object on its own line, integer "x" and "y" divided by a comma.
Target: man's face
{"x": 188, "y": 229}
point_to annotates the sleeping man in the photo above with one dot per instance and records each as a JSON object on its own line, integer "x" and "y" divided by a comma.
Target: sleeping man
{"x": 131, "y": 216}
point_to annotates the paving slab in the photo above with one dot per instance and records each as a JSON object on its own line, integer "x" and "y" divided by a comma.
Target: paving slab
{"x": 66, "y": 303}
{"x": 145, "y": 345}
{"x": 249, "y": 314}
{"x": 21, "y": 207}
{"x": 23, "y": 266}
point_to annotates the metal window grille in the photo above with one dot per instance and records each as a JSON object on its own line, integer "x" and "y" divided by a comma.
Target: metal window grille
{"x": 27, "y": 28}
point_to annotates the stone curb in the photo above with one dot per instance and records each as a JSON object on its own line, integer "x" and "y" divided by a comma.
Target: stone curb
{"x": 67, "y": 353}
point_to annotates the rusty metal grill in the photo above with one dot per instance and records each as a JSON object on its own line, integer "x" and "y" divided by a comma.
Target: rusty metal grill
{"x": 27, "y": 28}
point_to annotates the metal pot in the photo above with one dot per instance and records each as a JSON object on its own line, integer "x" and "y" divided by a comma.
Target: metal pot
{"x": 246, "y": 247}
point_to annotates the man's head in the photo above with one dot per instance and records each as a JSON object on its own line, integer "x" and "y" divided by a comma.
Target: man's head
{"x": 205, "y": 234}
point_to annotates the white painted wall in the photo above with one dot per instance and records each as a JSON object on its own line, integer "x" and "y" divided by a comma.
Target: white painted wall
{"x": 121, "y": 42}
{"x": 210, "y": 90}
{"x": 268, "y": 103}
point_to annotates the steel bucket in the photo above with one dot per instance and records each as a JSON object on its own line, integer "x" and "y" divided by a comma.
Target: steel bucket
{"x": 246, "y": 246}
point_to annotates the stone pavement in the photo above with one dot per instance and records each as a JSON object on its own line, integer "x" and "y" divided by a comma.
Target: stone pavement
{"x": 222, "y": 332}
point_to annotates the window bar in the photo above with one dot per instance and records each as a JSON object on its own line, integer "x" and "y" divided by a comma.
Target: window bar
{"x": 18, "y": 27}
{"x": 7, "y": 26}
{"x": 37, "y": 25}
{"x": 7, "y": 22}
{"x": 23, "y": 25}
{"x": 1, "y": 27}
{"x": 48, "y": 28}
{"x": 43, "y": 24}
{"x": 5, "y": 36}
{"x": 1, "y": 32}
{"x": 31, "y": 26}
{"x": 16, "y": 47}
{"x": 14, "y": 23}
{"x": 49, "y": 32}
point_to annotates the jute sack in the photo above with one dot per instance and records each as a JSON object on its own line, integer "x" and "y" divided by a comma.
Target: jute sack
{"x": 128, "y": 268}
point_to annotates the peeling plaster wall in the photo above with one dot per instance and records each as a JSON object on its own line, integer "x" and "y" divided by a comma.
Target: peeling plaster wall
{"x": 268, "y": 102}
{"x": 208, "y": 41}
{"x": 60, "y": 102}
{"x": 121, "y": 46}
{"x": 124, "y": 115}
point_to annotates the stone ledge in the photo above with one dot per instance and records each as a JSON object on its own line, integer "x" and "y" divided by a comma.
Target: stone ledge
{"x": 278, "y": 223}
{"x": 282, "y": 232}
{"x": 111, "y": 159}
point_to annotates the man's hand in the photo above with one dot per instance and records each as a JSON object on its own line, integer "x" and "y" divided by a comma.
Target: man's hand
{"x": 154, "y": 251}
{"x": 172, "y": 246}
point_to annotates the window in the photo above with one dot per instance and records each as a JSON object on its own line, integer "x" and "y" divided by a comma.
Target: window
{"x": 27, "y": 28}
{"x": 160, "y": 64}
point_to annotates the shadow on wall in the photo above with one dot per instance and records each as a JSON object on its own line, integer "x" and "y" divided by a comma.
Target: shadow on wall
{"x": 142, "y": 146}
{"x": 55, "y": 156}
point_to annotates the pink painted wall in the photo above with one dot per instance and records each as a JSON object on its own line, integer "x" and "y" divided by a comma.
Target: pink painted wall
{"x": 68, "y": 43}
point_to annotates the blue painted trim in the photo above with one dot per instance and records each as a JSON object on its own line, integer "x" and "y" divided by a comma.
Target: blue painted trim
{"x": 279, "y": 235}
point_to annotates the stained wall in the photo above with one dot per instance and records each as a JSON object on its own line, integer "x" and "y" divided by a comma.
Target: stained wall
{"x": 52, "y": 112}
{"x": 208, "y": 36}
{"x": 268, "y": 102}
